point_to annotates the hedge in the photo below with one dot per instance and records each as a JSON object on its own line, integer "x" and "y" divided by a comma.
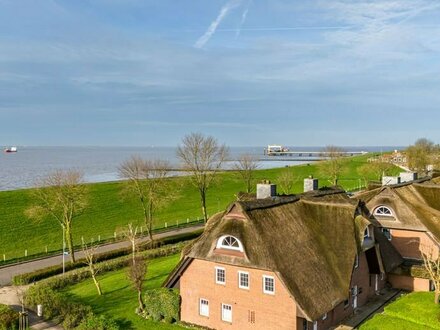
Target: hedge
{"x": 78, "y": 275}
{"x": 8, "y": 318}
{"x": 72, "y": 315}
{"x": 116, "y": 259}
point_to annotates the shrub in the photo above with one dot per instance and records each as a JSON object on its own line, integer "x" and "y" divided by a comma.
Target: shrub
{"x": 162, "y": 305}
{"x": 94, "y": 322}
{"x": 43, "y": 294}
{"x": 8, "y": 318}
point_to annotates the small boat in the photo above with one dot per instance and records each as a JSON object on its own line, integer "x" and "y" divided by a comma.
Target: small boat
{"x": 11, "y": 149}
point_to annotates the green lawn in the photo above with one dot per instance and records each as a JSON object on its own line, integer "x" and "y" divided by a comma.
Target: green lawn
{"x": 119, "y": 300}
{"x": 414, "y": 311}
{"x": 108, "y": 210}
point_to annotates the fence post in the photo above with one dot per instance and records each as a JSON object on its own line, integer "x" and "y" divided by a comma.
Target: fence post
{"x": 99, "y": 238}
{"x": 114, "y": 234}
{"x": 25, "y": 253}
{"x": 166, "y": 225}
{"x": 4, "y": 257}
{"x": 46, "y": 249}
{"x": 187, "y": 220}
{"x": 177, "y": 223}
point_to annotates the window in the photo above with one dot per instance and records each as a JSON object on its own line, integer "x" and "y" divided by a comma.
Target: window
{"x": 366, "y": 233}
{"x": 204, "y": 307}
{"x": 268, "y": 284}
{"x": 383, "y": 211}
{"x": 356, "y": 261}
{"x": 346, "y": 303}
{"x": 251, "y": 316}
{"x": 226, "y": 313}
{"x": 305, "y": 325}
{"x": 220, "y": 275}
{"x": 324, "y": 317}
{"x": 230, "y": 243}
{"x": 243, "y": 280}
{"x": 387, "y": 233}
{"x": 315, "y": 325}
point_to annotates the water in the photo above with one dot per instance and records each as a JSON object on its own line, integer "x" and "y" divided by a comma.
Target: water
{"x": 100, "y": 164}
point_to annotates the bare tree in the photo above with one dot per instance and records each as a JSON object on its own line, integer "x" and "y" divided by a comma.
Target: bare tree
{"x": 89, "y": 254}
{"x": 333, "y": 166}
{"x": 245, "y": 167}
{"x": 62, "y": 196}
{"x": 148, "y": 181}
{"x": 286, "y": 181}
{"x": 136, "y": 274}
{"x": 421, "y": 154}
{"x": 130, "y": 232}
{"x": 203, "y": 157}
{"x": 431, "y": 261}
{"x": 374, "y": 171}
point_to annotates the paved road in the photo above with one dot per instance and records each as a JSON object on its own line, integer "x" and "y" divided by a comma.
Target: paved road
{"x": 7, "y": 273}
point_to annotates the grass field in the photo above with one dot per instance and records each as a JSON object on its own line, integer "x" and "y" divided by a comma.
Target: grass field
{"x": 119, "y": 300}
{"x": 414, "y": 311}
{"x": 108, "y": 209}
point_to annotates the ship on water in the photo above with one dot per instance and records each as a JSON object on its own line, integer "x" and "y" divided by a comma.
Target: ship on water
{"x": 11, "y": 149}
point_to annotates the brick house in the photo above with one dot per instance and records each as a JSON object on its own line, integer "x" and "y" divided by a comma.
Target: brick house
{"x": 409, "y": 216}
{"x": 283, "y": 262}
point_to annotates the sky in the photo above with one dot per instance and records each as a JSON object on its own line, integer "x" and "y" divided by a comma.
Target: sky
{"x": 248, "y": 72}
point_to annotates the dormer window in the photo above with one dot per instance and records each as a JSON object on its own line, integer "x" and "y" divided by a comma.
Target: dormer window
{"x": 383, "y": 211}
{"x": 366, "y": 233}
{"x": 229, "y": 243}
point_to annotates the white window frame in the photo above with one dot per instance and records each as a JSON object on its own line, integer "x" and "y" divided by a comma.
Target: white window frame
{"x": 383, "y": 214}
{"x": 240, "y": 273}
{"x": 264, "y": 284}
{"x": 356, "y": 261}
{"x": 226, "y": 307}
{"x": 324, "y": 317}
{"x": 367, "y": 231}
{"x": 220, "y": 244}
{"x": 204, "y": 311}
{"x": 216, "y": 275}
{"x": 315, "y": 325}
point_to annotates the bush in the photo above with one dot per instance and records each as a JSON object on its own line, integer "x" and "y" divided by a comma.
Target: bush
{"x": 8, "y": 318}
{"x": 162, "y": 305}
{"x": 168, "y": 245}
{"x": 94, "y": 322}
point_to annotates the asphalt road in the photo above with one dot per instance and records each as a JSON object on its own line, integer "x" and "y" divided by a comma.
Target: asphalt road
{"x": 7, "y": 273}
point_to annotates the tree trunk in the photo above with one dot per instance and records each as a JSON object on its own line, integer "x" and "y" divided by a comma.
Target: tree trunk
{"x": 150, "y": 222}
{"x": 69, "y": 241}
{"x": 436, "y": 297}
{"x": 140, "y": 301}
{"x": 203, "y": 201}
{"x": 98, "y": 287}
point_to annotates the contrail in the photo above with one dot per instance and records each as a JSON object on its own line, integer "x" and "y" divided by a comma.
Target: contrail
{"x": 243, "y": 19}
{"x": 213, "y": 27}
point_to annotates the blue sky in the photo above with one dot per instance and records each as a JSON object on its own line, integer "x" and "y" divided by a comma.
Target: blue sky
{"x": 249, "y": 72}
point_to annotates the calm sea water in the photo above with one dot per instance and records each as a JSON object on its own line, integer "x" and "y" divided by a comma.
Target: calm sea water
{"x": 99, "y": 164}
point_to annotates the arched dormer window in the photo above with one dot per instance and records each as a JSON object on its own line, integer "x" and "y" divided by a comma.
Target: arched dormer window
{"x": 383, "y": 211}
{"x": 230, "y": 243}
{"x": 366, "y": 233}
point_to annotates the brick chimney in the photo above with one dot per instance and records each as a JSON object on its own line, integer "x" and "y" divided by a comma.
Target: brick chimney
{"x": 266, "y": 190}
{"x": 310, "y": 184}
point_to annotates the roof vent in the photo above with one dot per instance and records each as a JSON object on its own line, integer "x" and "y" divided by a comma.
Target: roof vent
{"x": 266, "y": 190}
{"x": 310, "y": 184}
{"x": 408, "y": 176}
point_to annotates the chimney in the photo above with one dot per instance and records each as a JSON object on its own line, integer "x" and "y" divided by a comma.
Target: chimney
{"x": 390, "y": 180}
{"x": 310, "y": 184}
{"x": 266, "y": 190}
{"x": 408, "y": 176}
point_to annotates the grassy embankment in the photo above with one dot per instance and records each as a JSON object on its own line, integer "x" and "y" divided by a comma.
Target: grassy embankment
{"x": 108, "y": 209}
{"x": 414, "y": 311}
{"x": 119, "y": 300}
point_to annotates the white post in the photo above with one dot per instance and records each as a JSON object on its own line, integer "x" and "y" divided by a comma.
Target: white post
{"x": 4, "y": 257}
{"x": 166, "y": 225}
{"x": 64, "y": 248}
{"x": 187, "y": 220}
{"x": 99, "y": 238}
{"x": 25, "y": 253}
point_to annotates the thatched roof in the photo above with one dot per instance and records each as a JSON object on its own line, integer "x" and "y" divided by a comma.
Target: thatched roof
{"x": 416, "y": 205}
{"x": 310, "y": 241}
